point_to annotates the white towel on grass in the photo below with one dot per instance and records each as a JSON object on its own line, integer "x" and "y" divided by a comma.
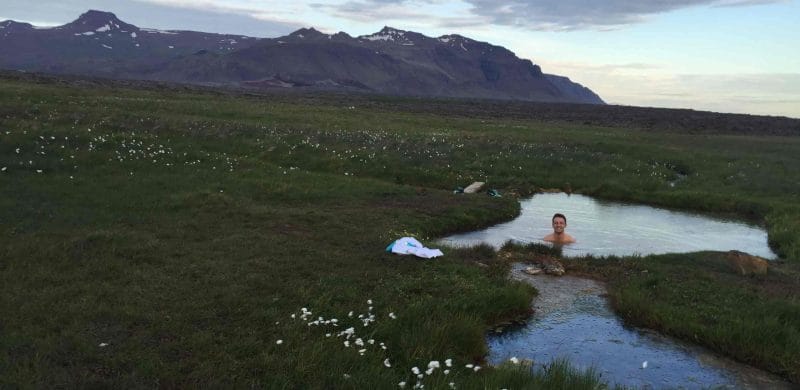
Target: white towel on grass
{"x": 410, "y": 246}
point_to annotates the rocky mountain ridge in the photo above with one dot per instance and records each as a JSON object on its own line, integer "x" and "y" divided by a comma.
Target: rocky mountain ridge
{"x": 390, "y": 61}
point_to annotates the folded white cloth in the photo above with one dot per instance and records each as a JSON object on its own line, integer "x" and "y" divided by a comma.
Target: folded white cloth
{"x": 410, "y": 246}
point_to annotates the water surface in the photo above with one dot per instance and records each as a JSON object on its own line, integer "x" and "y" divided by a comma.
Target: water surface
{"x": 573, "y": 320}
{"x": 611, "y": 228}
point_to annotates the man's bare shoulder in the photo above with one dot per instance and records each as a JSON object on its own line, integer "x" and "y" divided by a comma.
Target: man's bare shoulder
{"x": 564, "y": 239}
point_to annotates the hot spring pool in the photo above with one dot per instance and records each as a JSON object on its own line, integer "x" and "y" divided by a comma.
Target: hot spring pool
{"x": 610, "y": 228}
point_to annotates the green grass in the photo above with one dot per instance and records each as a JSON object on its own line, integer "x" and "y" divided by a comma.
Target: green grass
{"x": 183, "y": 230}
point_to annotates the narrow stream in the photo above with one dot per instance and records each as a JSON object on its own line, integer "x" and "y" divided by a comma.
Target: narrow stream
{"x": 573, "y": 320}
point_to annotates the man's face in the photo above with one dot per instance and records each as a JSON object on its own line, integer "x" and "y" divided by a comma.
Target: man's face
{"x": 559, "y": 224}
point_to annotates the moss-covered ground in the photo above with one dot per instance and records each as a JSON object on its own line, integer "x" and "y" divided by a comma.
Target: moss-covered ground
{"x": 165, "y": 238}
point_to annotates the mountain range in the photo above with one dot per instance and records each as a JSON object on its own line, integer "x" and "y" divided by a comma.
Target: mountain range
{"x": 390, "y": 61}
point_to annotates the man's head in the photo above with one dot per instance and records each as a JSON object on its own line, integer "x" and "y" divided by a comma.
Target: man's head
{"x": 559, "y": 223}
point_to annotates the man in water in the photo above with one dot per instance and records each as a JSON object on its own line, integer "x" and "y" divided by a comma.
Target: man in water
{"x": 558, "y": 236}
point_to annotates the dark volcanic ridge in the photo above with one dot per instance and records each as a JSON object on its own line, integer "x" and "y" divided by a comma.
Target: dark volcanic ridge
{"x": 390, "y": 61}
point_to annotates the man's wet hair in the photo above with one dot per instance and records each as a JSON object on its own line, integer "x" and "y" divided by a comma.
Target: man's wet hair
{"x": 559, "y": 215}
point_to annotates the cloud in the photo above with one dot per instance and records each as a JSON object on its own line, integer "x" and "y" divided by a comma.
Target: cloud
{"x": 543, "y": 15}
{"x": 161, "y": 14}
{"x": 745, "y": 3}
{"x": 376, "y": 10}
{"x": 565, "y": 15}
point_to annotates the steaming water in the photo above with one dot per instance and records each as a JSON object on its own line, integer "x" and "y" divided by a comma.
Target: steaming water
{"x": 610, "y": 228}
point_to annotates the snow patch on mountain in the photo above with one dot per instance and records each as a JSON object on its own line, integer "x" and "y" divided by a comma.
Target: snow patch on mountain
{"x": 154, "y": 31}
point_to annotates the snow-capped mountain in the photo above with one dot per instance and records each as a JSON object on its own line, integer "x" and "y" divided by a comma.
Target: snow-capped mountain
{"x": 390, "y": 61}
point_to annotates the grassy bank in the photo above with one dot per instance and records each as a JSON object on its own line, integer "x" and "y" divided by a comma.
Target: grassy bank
{"x": 182, "y": 230}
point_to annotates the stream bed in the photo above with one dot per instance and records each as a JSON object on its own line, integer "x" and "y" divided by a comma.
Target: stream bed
{"x": 573, "y": 320}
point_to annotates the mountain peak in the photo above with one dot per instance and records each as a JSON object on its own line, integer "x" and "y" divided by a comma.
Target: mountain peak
{"x": 93, "y": 16}
{"x": 391, "y": 34}
{"x": 100, "y": 21}
{"x": 14, "y": 25}
{"x": 309, "y": 32}
{"x": 391, "y": 30}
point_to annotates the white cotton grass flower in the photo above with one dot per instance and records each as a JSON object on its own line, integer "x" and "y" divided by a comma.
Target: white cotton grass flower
{"x": 514, "y": 360}
{"x": 448, "y": 362}
{"x": 387, "y": 363}
{"x": 101, "y": 345}
{"x": 402, "y": 385}
{"x": 429, "y": 371}
{"x": 349, "y": 332}
{"x": 644, "y": 364}
{"x": 279, "y": 342}
{"x": 446, "y": 372}
{"x": 476, "y": 368}
{"x": 469, "y": 366}
{"x": 369, "y": 301}
{"x": 392, "y": 316}
{"x": 415, "y": 370}
{"x": 452, "y": 385}
{"x": 362, "y": 351}
{"x": 346, "y": 344}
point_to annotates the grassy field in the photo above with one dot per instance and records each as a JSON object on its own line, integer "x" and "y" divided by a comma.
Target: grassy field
{"x": 170, "y": 238}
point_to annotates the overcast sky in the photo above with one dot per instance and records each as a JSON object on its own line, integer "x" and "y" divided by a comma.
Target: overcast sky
{"x": 719, "y": 55}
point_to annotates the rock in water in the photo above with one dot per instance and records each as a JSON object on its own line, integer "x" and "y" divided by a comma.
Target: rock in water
{"x": 549, "y": 265}
{"x": 553, "y": 267}
{"x": 532, "y": 270}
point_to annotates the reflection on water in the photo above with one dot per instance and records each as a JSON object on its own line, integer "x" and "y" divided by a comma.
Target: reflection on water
{"x": 573, "y": 320}
{"x": 609, "y": 228}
